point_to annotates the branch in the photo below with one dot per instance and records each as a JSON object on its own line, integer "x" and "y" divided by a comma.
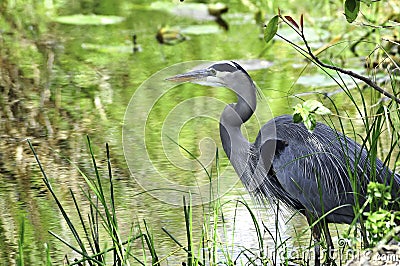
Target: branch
{"x": 367, "y": 80}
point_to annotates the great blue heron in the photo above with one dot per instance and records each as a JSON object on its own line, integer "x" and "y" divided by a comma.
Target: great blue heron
{"x": 320, "y": 173}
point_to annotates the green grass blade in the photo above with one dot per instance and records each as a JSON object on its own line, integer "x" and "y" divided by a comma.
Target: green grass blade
{"x": 61, "y": 208}
{"x": 188, "y": 223}
{"x": 20, "y": 258}
{"x": 256, "y": 226}
{"x": 48, "y": 257}
{"x": 82, "y": 221}
{"x": 85, "y": 255}
{"x": 150, "y": 244}
{"x": 112, "y": 203}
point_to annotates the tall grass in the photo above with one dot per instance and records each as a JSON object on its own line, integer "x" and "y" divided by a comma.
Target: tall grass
{"x": 102, "y": 214}
{"x": 212, "y": 247}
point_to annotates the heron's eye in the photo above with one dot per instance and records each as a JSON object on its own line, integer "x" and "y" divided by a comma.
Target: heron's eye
{"x": 212, "y": 72}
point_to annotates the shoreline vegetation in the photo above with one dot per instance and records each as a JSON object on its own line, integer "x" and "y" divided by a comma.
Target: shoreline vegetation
{"x": 207, "y": 248}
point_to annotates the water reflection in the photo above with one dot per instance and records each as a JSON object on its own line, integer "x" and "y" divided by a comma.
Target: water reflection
{"x": 55, "y": 91}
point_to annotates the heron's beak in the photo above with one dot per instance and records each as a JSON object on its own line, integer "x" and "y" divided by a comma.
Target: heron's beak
{"x": 190, "y": 76}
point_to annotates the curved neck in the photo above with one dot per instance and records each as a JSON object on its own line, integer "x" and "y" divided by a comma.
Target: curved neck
{"x": 235, "y": 145}
{"x": 234, "y": 115}
{"x": 245, "y": 107}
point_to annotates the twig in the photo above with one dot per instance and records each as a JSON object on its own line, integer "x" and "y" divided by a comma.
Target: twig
{"x": 366, "y": 80}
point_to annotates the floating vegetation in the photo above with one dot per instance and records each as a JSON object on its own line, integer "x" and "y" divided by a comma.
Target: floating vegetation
{"x": 201, "y": 29}
{"x": 80, "y": 19}
{"x": 170, "y": 36}
{"x": 217, "y": 9}
{"x": 196, "y": 11}
{"x": 108, "y": 48}
{"x": 323, "y": 80}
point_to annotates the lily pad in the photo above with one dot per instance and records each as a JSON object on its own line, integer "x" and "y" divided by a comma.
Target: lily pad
{"x": 196, "y": 11}
{"x": 80, "y": 19}
{"x": 322, "y": 80}
{"x": 201, "y": 29}
{"x": 108, "y": 48}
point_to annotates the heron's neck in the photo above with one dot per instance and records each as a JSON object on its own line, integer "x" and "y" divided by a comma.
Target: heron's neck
{"x": 245, "y": 107}
{"x": 235, "y": 145}
{"x": 234, "y": 115}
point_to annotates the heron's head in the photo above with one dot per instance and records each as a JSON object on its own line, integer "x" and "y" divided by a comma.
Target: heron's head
{"x": 221, "y": 74}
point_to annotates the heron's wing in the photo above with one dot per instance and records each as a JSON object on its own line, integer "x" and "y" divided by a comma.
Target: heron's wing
{"x": 310, "y": 171}
{"x": 269, "y": 186}
{"x": 270, "y": 149}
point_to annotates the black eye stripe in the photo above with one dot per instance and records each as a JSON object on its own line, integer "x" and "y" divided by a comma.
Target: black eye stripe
{"x": 229, "y": 67}
{"x": 224, "y": 67}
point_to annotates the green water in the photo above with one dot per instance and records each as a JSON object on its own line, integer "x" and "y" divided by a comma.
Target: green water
{"x": 62, "y": 82}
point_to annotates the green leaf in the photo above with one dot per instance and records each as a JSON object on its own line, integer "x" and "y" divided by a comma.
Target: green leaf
{"x": 271, "y": 29}
{"x": 312, "y": 105}
{"x": 301, "y": 113}
{"x": 306, "y": 113}
{"x": 316, "y": 107}
{"x": 297, "y": 118}
{"x": 308, "y": 124}
{"x": 322, "y": 110}
{"x": 313, "y": 122}
{"x": 351, "y": 9}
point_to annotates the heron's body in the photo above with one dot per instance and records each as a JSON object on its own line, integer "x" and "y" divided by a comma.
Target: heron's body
{"x": 309, "y": 171}
{"x": 322, "y": 174}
